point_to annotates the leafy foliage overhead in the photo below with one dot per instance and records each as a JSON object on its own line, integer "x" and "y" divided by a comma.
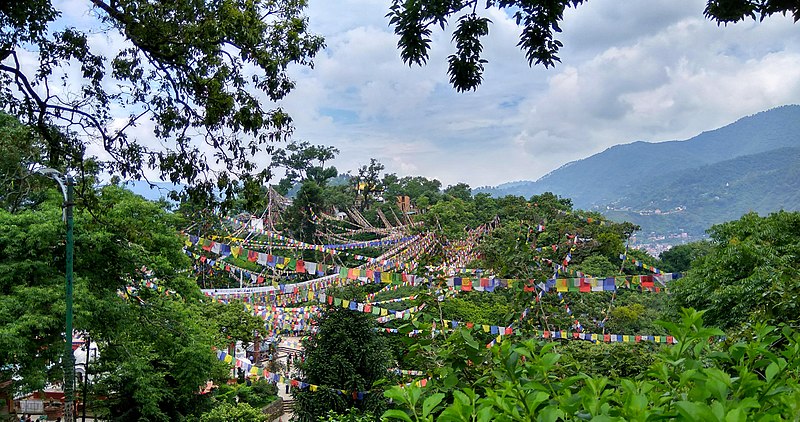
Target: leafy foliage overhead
{"x": 201, "y": 72}
{"x": 539, "y": 22}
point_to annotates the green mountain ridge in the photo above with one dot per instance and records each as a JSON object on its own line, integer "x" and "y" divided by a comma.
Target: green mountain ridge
{"x": 757, "y": 156}
{"x": 693, "y": 200}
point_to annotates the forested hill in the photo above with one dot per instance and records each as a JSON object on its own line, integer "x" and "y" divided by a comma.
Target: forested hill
{"x": 756, "y": 156}
{"x": 692, "y": 200}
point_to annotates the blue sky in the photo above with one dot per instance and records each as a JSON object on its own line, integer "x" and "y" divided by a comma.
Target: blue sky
{"x": 651, "y": 70}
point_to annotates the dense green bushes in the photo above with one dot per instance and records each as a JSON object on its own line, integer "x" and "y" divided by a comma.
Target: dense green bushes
{"x": 697, "y": 379}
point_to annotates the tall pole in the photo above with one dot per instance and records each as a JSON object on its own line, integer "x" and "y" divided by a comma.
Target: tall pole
{"x": 66, "y": 183}
{"x": 69, "y": 364}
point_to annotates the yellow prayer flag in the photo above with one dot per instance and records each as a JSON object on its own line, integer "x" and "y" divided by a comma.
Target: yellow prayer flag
{"x": 345, "y": 304}
{"x": 313, "y": 387}
{"x": 486, "y": 328}
{"x": 228, "y": 359}
{"x": 384, "y": 312}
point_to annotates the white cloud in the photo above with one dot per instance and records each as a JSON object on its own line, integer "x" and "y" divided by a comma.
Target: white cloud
{"x": 635, "y": 70}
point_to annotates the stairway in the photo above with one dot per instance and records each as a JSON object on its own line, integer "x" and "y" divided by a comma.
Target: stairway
{"x": 287, "y": 406}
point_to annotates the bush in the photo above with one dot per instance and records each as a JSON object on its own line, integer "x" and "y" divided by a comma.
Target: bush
{"x": 227, "y": 412}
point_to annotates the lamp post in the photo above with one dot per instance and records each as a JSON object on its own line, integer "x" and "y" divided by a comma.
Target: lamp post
{"x": 66, "y": 183}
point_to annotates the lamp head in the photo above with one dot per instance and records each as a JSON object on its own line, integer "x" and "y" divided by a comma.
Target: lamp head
{"x": 47, "y": 171}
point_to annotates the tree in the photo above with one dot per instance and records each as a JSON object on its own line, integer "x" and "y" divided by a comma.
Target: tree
{"x": 421, "y": 190}
{"x": 450, "y": 218}
{"x": 750, "y": 274}
{"x": 305, "y": 209}
{"x": 539, "y": 21}
{"x": 679, "y": 258}
{"x": 304, "y": 162}
{"x": 345, "y": 354}
{"x": 155, "y": 346}
{"x": 725, "y": 11}
{"x": 20, "y": 146}
{"x": 200, "y": 68}
{"x": 461, "y": 191}
{"x": 598, "y": 266}
{"x": 367, "y": 184}
{"x": 233, "y": 323}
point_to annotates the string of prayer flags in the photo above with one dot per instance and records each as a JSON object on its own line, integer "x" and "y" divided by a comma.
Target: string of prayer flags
{"x": 148, "y": 284}
{"x": 590, "y": 220}
{"x": 303, "y": 245}
{"x": 605, "y": 338}
{"x": 407, "y": 372}
{"x": 508, "y": 330}
{"x": 650, "y": 283}
{"x": 397, "y": 299}
{"x": 639, "y": 264}
{"x": 303, "y": 267}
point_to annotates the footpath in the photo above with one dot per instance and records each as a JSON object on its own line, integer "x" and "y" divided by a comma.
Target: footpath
{"x": 287, "y": 346}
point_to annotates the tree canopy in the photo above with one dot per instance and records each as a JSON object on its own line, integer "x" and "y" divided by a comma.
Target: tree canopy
{"x": 201, "y": 74}
{"x": 347, "y": 354}
{"x": 750, "y": 273}
{"x": 539, "y": 22}
{"x": 155, "y": 345}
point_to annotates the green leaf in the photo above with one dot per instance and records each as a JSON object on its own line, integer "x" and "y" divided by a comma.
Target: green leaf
{"x": 771, "y": 371}
{"x": 469, "y": 340}
{"x": 430, "y": 403}
{"x": 695, "y": 411}
{"x": 450, "y": 381}
{"x": 535, "y": 399}
{"x": 549, "y": 414}
{"x": 736, "y": 415}
{"x": 396, "y": 394}
{"x": 395, "y": 414}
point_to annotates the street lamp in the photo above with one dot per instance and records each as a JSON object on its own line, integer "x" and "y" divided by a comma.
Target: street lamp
{"x": 66, "y": 183}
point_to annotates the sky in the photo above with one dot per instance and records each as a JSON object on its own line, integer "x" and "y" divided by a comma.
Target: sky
{"x": 652, "y": 70}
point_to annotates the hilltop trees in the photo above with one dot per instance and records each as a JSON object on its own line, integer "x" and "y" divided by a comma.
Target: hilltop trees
{"x": 679, "y": 258}
{"x": 368, "y": 183}
{"x": 303, "y": 161}
{"x": 750, "y": 274}
{"x": 198, "y": 71}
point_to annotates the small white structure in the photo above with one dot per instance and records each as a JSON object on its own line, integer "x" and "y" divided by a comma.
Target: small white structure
{"x": 79, "y": 355}
{"x": 256, "y": 223}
